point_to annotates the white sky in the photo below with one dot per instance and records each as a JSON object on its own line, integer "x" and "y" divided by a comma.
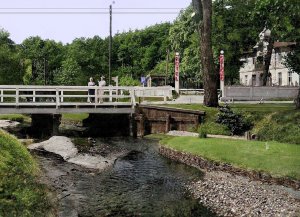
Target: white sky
{"x": 67, "y": 27}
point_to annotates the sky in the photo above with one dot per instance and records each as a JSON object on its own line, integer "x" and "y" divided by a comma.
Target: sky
{"x": 17, "y": 17}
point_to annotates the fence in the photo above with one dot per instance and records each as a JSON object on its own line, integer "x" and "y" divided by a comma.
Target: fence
{"x": 259, "y": 93}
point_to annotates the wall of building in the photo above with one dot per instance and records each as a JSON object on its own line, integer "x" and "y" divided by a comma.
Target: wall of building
{"x": 251, "y": 69}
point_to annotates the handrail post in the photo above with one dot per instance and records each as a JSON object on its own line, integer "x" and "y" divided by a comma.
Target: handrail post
{"x": 57, "y": 98}
{"x": 17, "y": 97}
{"x": 62, "y": 96}
{"x": 33, "y": 100}
{"x": 96, "y": 96}
{"x": 110, "y": 94}
{"x": 2, "y": 95}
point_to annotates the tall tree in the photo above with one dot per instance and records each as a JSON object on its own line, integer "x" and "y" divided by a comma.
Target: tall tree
{"x": 292, "y": 61}
{"x": 10, "y": 64}
{"x": 282, "y": 18}
{"x": 210, "y": 75}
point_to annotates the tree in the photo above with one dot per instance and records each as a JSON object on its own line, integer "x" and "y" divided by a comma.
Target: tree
{"x": 10, "y": 65}
{"x": 292, "y": 61}
{"x": 184, "y": 38}
{"x": 210, "y": 75}
{"x": 233, "y": 34}
{"x": 282, "y": 18}
{"x": 69, "y": 73}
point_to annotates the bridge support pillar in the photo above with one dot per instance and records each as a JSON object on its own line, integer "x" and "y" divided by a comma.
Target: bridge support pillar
{"x": 44, "y": 125}
{"x": 132, "y": 126}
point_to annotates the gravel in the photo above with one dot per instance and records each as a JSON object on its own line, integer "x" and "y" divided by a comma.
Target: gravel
{"x": 232, "y": 195}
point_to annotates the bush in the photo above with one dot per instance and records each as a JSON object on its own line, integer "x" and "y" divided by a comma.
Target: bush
{"x": 214, "y": 128}
{"x": 279, "y": 126}
{"x": 202, "y": 133}
{"x": 20, "y": 192}
{"x": 235, "y": 122}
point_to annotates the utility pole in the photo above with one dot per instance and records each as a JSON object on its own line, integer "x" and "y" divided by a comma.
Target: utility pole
{"x": 167, "y": 65}
{"x": 110, "y": 42}
{"x": 45, "y": 71}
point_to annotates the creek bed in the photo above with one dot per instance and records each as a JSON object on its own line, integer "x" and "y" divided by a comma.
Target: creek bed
{"x": 139, "y": 183}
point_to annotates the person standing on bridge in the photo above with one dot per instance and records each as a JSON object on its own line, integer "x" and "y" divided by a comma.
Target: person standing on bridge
{"x": 91, "y": 91}
{"x": 101, "y": 84}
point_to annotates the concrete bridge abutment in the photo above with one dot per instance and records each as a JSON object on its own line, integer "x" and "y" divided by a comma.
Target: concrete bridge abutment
{"x": 45, "y": 125}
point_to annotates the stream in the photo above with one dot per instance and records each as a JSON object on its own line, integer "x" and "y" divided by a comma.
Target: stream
{"x": 139, "y": 183}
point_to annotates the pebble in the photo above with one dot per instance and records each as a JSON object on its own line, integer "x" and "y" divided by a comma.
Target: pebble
{"x": 231, "y": 195}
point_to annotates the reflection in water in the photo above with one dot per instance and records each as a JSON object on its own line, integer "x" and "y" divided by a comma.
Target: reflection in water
{"x": 141, "y": 183}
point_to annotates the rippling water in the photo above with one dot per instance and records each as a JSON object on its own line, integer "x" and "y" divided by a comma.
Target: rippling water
{"x": 141, "y": 183}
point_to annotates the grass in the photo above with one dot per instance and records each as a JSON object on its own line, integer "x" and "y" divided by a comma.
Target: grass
{"x": 279, "y": 122}
{"x": 15, "y": 117}
{"x": 20, "y": 192}
{"x": 279, "y": 159}
{"x": 75, "y": 117}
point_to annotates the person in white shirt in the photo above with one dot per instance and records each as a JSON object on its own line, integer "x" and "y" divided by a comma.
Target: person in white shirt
{"x": 101, "y": 84}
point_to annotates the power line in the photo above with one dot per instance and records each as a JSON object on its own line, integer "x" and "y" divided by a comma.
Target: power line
{"x": 91, "y": 13}
{"x": 90, "y": 8}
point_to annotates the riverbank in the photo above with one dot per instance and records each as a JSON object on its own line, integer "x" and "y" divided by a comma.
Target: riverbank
{"x": 21, "y": 193}
{"x": 232, "y": 193}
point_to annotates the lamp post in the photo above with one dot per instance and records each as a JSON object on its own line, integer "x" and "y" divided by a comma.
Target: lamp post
{"x": 222, "y": 74}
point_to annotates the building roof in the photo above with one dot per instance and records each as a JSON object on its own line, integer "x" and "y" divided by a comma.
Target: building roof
{"x": 278, "y": 44}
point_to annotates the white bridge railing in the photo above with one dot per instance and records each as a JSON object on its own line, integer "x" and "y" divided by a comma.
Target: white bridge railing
{"x": 62, "y": 96}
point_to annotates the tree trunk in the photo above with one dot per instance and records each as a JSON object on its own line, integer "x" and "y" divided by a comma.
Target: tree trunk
{"x": 297, "y": 100}
{"x": 267, "y": 62}
{"x": 210, "y": 75}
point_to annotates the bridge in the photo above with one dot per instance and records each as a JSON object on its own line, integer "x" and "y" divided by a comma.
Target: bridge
{"x": 29, "y": 99}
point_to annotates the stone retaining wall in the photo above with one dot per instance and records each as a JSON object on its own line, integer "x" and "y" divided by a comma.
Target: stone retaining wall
{"x": 202, "y": 163}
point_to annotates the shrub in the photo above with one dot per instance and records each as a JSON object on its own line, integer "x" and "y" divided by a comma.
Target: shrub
{"x": 214, "y": 128}
{"x": 202, "y": 133}
{"x": 279, "y": 126}
{"x": 235, "y": 122}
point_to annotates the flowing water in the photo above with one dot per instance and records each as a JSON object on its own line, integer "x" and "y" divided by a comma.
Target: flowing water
{"x": 140, "y": 183}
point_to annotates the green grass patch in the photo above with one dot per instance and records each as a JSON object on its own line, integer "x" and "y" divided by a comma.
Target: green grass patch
{"x": 279, "y": 122}
{"x": 277, "y": 159}
{"x": 75, "y": 117}
{"x": 20, "y": 193}
{"x": 15, "y": 117}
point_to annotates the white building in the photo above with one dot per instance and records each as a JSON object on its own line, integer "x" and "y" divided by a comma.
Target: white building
{"x": 251, "y": 72}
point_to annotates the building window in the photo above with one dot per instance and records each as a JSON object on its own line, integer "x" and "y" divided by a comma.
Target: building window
{"x": 246, "y": 79}
{"x": 290, "y": 79}
{"x": 253, "y": 80}
{"x": 279, "y": 57}
{"x": 280, "y": 79}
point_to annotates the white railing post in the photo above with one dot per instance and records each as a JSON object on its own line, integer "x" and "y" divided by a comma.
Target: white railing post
{"x": 33, "y": 100}
{"x": 62, "y": 96}
{"x": 110, "y": 94}
{"x": 57, "y": 98}
{"x": 132, "y": 93}
{"x": 2, "y": 95}
{"x": 96, "y": 96}
{"x": 17, "y": 96}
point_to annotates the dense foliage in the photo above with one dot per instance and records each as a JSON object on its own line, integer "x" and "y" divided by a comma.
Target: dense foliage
{"x": 235, "y": 28}
{"x": 235, "y": 122}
